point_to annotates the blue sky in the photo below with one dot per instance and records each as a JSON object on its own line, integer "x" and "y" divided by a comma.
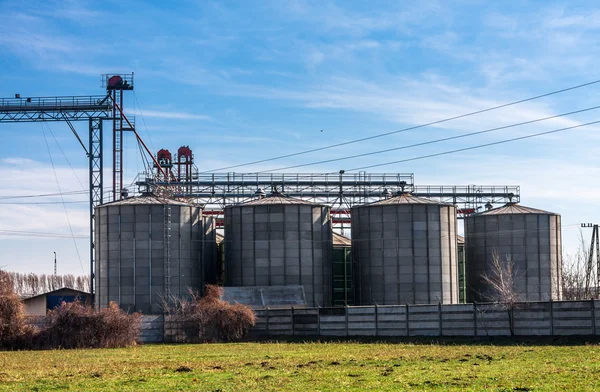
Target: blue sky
{"x": 241, "y": 81}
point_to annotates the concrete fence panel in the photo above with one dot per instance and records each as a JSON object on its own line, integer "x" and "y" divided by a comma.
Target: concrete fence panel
{"x": 457, "y": 320}
{"x": 532, "y": 319}
{"x": 362, "y": 321}
{"x": 573, "y": 318}
{"x": 424, "y": 320}
{"x": 391, "y": 320}
{"x": 152, "y": 329}
{"x": 491, "y": 320}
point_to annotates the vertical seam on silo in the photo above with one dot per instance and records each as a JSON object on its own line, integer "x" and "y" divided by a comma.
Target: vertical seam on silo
{"x": 270, "y": 242}
{"x": 325, "y": 286}
{"x": 312, "y": 249}
{"x": 120, "y": 250}
{"x": 285, "y": 246}
{"x": 179, "y": 292}
{"x": 382, "y": 255}
{"x": 512, "y": 254}
{"x": 398, "y": 231}
{"x": 298, "y": 233}
{"x": 368, "y": 241}
{"x": 539, "y": 256}
{"x": 558, "y": 256}
{"x": 227, "y": 219}
{"x": 241, "y": 251}
{"x": 412, "y": 238}
{"x": 455, "y": 288}
{"x": 525, "y": 233}
{"x": 355, "y": 246}
{"x": 254, "y": 237}
{"x": 149, "y": 254}
{"x": 440, "y": 210}
{"x": 427, "y": 254}
{"x": 485, "y": 257}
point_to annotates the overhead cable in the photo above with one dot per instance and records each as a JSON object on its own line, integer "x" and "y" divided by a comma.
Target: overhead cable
{"x": 409, "y": 128}
{"x": 62, "y": 199}
{"x": 476, "y": 147}
{"x": 431, "y": 141}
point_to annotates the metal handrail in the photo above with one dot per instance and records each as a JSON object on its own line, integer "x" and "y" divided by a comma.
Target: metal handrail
{"x": 36, "y": 103}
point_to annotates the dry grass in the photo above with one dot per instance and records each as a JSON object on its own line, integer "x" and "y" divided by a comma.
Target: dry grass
{"x": 310, "y": 366}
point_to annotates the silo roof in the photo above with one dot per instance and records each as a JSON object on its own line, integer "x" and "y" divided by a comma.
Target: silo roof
{"x": 514, "y": 208}
{"x": 340, "y": 240}
{"x": 277, "y": 198}
{"x": 405, "y": 198}
{"x": 145, "y": 200}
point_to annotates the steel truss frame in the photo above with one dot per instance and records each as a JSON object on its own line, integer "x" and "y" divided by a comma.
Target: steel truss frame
{"x": 95, "y": 109}
{"x": 340, "y": 191}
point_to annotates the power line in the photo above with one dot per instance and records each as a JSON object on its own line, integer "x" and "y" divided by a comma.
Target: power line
{"x": 68, "y": 193}
{"x": 62, "y": 199}
{"x": 431, "y": 141}
{"x": 143, "y": 121}
{"x": 39, "y": 234}
{"x": 44, "y": 202}
{"x": 477, "y": 146}
{"x": 409, "y": 128}
{"x": 65, "y": 156}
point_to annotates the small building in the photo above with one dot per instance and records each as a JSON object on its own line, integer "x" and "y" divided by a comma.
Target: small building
{"x": 40, "y": 304}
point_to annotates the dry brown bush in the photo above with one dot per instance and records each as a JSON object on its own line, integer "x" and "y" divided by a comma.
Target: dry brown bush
{"x": 217, "y": 320}
{"x": 72, "y": 325}
{"x": 12, "y": 317}
{"x": 75, "y": 325}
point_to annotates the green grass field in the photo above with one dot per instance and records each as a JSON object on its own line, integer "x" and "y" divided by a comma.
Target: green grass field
{"x": 497, "y": 365}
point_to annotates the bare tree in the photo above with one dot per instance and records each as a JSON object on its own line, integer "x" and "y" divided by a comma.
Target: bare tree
{"x": 33, "y": 284}
{"x": 578, "y": 278}
{"x": 501, "y": 282}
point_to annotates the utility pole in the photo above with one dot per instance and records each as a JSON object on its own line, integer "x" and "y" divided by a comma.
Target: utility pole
{"x": 594, "y": 244}
{"x": 55, "y": 264}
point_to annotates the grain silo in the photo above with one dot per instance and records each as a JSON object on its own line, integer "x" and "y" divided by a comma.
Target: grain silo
{"x": 148, "y": 247}
{"x": 404, "y": 251}
{"x": 278, "y": 241}
{"x": 531, "y": 238}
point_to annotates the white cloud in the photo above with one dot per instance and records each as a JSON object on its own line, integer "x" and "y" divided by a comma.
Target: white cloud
{"x": 175, "y": 115}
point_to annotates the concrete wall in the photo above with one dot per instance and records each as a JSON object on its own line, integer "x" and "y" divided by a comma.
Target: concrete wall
{"x": 529, "y": 319}
{"x": 564, "y": 318}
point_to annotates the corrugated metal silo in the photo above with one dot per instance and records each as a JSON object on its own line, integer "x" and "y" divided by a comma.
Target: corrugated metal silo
{"x": 530, "y": 237}
{"x": 147, "y": 247}
{"x": 278, "y": 241}
{"x": 404, "y": 251}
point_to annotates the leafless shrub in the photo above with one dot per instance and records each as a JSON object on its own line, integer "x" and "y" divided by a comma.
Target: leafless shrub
{"x": 577, "y": 276}
{"x": 12, "y": 317}
{"x": 75, "y": 325}
{"x": 216, "y": 319}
